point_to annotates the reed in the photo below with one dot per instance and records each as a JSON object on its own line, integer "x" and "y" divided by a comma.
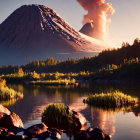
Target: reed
{"x": 57, "y": 114}
{"x": 7, "y": 93}
{"x": 111, "y": 100}
{"x": 53, "y": 82}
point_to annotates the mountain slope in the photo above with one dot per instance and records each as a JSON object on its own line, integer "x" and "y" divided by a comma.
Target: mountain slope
{"x": 88, "y": 29}
{"x": 37, "y": 32}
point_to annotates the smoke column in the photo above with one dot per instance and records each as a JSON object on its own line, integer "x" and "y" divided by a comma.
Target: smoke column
{"x": 98, "y": 13}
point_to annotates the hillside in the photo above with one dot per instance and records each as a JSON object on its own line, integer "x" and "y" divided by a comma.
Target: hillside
{"x": 35, "y": 32}
{"x": 92, "y": 64}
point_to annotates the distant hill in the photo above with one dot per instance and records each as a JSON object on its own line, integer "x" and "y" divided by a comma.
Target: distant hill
{"x": 115, "y": 56}
{"x": 35, "y": 32}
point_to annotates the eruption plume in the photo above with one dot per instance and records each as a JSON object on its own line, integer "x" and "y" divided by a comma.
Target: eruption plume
{"x": 98, "y": 13}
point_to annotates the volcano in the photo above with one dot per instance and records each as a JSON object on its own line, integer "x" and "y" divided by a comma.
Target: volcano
{"x": 36, "y": 32}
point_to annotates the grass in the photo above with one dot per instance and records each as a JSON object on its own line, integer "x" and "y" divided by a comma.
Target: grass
{"x": 8, "y": 94}
{"x": 2, "y": 82}
{"x": 53, "y": 82}
{"x": 115, "y": 109}
{"x": 10, "y": 102}
{"x": 111, "y": 100}
{"x": 56, "y": 115}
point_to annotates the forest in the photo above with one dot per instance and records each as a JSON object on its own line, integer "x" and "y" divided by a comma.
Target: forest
{"x": 112, "y": 63}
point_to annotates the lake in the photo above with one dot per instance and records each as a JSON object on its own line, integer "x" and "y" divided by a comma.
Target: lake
{"x": 121, "y": 125}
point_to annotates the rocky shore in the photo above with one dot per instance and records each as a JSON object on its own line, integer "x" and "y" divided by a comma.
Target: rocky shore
{"x": 12, "y": 128}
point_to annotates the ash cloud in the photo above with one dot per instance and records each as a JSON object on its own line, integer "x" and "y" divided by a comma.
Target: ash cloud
{"x": 98, "y": 12}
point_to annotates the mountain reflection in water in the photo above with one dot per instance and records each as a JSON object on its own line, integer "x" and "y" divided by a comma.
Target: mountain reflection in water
{"x": 36, "y": 98}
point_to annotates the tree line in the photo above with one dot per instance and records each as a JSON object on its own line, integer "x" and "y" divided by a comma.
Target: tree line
{"x": 91, "y": 64}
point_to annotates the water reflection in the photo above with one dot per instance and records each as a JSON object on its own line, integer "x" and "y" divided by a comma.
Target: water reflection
{"x": 101, "y": 119}
{"x": 7, "y": 103}
{"x": 36, "y": 99}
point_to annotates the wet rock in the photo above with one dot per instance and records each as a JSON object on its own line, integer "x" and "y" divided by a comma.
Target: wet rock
{"x": 4, "y": 110}
{"x": 92, "y": 134}
{"x": 15, "y": 137}
{"x": 44, "y": 135}
{"x": 1, "y": 116}
{"x": 52, "y": 130}
{"x": 82, "y": 136}
{"x": 11, "y": 121}
{"x": 97, "y": 134}
{"x": 55, "y": 136}
{"x": 16, "y": 130}
{"x": 79, "y": 121}
{"x": 3, "y": 132}
{"x": 89, "y": 129}
{"x": 108, "y": 137}
{"x": 35, "y": 130}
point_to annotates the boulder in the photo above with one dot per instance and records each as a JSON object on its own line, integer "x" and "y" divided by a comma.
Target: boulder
{"x": 55, "y": 136}
{"x": 4, "y": 110}
{"x": 3, "y": 132}
{"x": 79, "y": 121}
{"x": 35, "y": 130}
{"x": 92, "y": 134}
{"x": 1, "y": 116}
{"x": 44, "y": 135}
{"x": 5, "y": 135}
{"x": 82, "y": 136}
{"x": 11, "y": 121}
{"x": 52, "y": 130}
{"x": 16, "y": 130}
{"x": 15, "y": 137}
{"x": 96, "y": 134}
{"x": 60, "y": 116}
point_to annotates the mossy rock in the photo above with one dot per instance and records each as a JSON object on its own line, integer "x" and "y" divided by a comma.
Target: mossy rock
{"x": 60, "y": 116}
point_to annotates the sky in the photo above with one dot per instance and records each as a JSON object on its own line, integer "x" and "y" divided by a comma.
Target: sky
{"x": 125, "y": 22}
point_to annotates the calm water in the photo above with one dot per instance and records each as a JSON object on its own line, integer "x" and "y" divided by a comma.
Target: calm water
{"x": 121, "y": 125}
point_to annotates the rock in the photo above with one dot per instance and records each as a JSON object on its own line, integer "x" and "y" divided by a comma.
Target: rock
{"x": 16, "y": 130}
{"x": 52, "y": 130}
{"x": 35, "y": 130}
{"x": 44, "y": 135}
{"x": 79, "y": 121}
{"x": 3, "y": 129}
{"x": 82, "y": 136}
{"x": 55, "y": 136}
{"x": 5, "y": 135}
{"x": 92, "y": 134}
{"x": 64, "y": 118}
{"x": 108, "y": 137}
{"x": 3, "y": 132}
{"x": 4, "y": 110}
{"x": 11, "y": 121}
{"x": 1, "y": 116}
{"x": 15, "y": 137}
{"x": 98, "y": 134}
{"x": 9, "y": 134}
{"x": 89, "y": 129}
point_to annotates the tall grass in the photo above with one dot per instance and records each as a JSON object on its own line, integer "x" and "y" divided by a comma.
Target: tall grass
{"x": 10, "y": 102}
{"x": 53, "y": 82}
{"x": 111, "y": 100}
{"x": 8, "y": 93}
{"x": 57, "y": 115}
{"x": 2, "y": 82}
